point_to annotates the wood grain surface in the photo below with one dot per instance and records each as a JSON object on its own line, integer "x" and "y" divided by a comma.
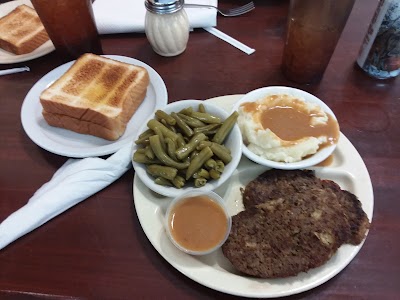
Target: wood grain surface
{"x": 97, "y": 249}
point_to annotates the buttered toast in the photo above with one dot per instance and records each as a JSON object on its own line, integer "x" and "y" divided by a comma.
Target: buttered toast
{"x": 21, "y": 31}
{"x": 96, "y": 96}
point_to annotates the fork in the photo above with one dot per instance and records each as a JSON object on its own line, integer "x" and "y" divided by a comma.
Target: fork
{"x": 233, "y": 12}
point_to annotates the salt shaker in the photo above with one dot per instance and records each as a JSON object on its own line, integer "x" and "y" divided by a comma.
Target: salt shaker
{"x": 167, "y": 26}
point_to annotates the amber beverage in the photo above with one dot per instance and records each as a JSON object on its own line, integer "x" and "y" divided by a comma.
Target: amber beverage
{"x": 313, "y": 30}
{"x": 70, "y": 25}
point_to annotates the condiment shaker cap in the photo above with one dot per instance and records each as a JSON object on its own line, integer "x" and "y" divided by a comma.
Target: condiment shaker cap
{"x": 163, "y": 6}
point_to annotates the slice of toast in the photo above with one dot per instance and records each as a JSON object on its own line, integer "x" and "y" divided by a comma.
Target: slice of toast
{"x": 80, "y": 126}
{"x": 96, "y": 96}
{"x": 21, "y": 31}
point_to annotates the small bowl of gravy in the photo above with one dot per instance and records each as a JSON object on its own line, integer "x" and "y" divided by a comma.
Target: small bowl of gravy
{"x": 198, "y": 222}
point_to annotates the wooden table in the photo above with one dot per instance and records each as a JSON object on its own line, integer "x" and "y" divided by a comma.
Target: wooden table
{"x": 97, "y": 249}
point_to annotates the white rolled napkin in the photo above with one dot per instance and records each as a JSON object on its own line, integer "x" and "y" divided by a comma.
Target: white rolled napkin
{"x": 74, "y": 182}
{"x": 123, "y": 16}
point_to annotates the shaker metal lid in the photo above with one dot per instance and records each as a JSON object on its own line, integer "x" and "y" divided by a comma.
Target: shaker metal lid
{"x": 163, "y": 6}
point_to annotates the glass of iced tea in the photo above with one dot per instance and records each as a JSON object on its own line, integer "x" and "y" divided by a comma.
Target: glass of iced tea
{"x": 313, "y": 30}
{"x": 70, "y": 26}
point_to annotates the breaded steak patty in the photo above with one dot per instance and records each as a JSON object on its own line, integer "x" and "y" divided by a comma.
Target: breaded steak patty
{"x": 292, "y": 222}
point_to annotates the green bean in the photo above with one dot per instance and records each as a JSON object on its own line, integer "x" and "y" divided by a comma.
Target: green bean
{"x": 220, "y": 151}
{"x": 201, "y": 173}
{"x": 162, "y": 181}
{"x": 143, "y": 159}
{"x": 225, "y": 128}
{"x": 144, "y": 137}
{"x": 171, "y": 148}
{"x": 158, "y": 132}
{"x": 147, "y": 133}
{"x": 142, "y": 142}
{"x": 199, "y": 182}
{"x": 214, "y": 174}
{"x": 183, "y": 152}
{"x": 162, "y": 156}
{"x": 162, "y": 171}
{"x": 210, "y": 164}
{"x": 180, "y": 141}
{"x": 211, "y": 132}
{"x": 152, "y": 124}
{"x": 149, "y": 152}
{"x": 223, "y": 155}
{"x": 170, "y": 127}
{"x": 205, "y": 117}
{"x": 141, "y": 150}
{"x": 182, "y": 125}
{"x": 202, "y": 108}
{"x": 187, "y": 111}
{"x": 197, "y": 161}
{"x": 193, "y": 154}
{"x": 208, "y": 129}
{"x": 204, "y": 144}
{"x": 192, "y": 122}
{"x": 179, "y": 181}
{"x": 164, "y": 116}
{"x": 220, "y": 166}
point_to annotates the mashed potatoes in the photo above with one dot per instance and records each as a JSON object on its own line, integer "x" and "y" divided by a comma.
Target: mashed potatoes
{"x": 284, "y": 128}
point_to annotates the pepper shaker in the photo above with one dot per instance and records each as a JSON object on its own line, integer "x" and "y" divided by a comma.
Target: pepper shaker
{"x": 166, "y": 26}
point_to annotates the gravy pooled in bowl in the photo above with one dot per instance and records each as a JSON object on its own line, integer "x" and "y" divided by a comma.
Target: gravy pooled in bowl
{"x": 284, "y": 128}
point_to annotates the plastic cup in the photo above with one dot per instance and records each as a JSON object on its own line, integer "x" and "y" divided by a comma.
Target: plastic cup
{"x": 70, "y": 26}
{"x": 313, "y": 30}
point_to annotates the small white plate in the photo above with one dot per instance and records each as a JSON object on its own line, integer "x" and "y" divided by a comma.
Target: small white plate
{"x": 312, "y": 160}
{"x": 8, "y": 57}
{"x": 214, "y": 270}
{"x": 68, "y": 143}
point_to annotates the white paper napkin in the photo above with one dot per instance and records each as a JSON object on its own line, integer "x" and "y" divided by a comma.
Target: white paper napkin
{"x": 122, "y": 16}
{"x": 75, "y": 181}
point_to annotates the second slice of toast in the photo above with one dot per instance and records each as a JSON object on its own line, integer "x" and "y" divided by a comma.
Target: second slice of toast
{"x": 21, "y": 31}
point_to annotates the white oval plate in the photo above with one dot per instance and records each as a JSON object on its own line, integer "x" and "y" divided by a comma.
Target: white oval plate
{"x": 68, "y": 143}
{"x": 304, "y": 163}
{"x": 214, "y": 270}
{"x": 8, "y": 57}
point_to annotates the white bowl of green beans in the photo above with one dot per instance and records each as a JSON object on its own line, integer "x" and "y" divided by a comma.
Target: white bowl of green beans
{"x": 187, "y": 145}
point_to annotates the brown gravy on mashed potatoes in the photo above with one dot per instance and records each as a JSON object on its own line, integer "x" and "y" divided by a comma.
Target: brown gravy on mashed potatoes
{"x": 282, "y": 127}
{"x": 292, "y": 122}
